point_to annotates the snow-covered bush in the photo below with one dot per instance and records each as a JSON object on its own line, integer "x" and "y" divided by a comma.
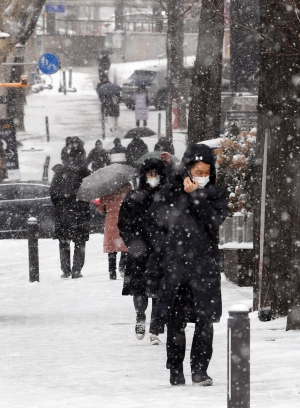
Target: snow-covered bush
{"x": 235, "y": 158}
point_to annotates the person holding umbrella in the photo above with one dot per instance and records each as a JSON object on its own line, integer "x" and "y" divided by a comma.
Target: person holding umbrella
{"x": 109, "y": 184}
{"x": 140, "y": 256}
{"x": 183, "y": 226}
{"x": 110, "y": 98}
{"x": 113, "y": 243}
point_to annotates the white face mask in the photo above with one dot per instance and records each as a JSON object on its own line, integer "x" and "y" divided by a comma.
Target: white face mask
{"x": 202, "y": 181}
{"x": 153, "y": 181}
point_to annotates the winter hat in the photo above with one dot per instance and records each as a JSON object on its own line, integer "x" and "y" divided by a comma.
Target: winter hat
{"x": 152, "y": 164}
{"x": 197, "y": 153}
{"x": 98, "y": 143}
{"x": 117, "y": 141}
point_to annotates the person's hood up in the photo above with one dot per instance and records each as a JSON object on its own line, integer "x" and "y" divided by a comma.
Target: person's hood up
{"x": 196, "y": 153}
{"x": 152, "y": 164}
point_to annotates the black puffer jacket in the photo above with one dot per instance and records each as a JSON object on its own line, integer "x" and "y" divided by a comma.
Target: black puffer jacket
{"x": 71, "y": 216}
{"x": 184, "y": 229}
{"x": 136, "y": 148}
{"x": 98, "y": 157}
{"x": 133, "y": 231}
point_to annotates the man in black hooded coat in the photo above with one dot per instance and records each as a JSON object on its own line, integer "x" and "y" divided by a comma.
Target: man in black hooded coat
{"x": 183, "y": 226}
{"x": 71, "y": 216}
{"x": 133, "y": 231}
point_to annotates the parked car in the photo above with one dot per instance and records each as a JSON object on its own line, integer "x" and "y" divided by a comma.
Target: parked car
{"x": 20, "y": 200}
{"x": 155, "y": 80}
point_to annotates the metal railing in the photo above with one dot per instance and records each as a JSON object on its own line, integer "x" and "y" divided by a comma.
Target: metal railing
{"x": 236, "y": 229}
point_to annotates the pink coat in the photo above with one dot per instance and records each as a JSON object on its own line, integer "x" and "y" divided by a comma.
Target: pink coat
{"x": 111, "y": 204}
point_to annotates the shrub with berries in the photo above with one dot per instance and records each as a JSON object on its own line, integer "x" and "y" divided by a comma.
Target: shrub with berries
{"x": 235, "y": 158}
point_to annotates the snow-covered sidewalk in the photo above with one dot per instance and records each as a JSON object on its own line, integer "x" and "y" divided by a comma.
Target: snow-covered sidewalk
{"x": 71, "y": 343}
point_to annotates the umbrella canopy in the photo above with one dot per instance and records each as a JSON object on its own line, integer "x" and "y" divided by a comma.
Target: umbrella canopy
{"x": 154, "y": 155}
{"x": 105, "y": 181}
{"x": 139, "y": 131}
{"x": 108, "y": 89}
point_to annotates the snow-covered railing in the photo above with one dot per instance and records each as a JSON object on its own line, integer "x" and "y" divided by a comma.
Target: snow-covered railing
{"x": 237, "y": 232}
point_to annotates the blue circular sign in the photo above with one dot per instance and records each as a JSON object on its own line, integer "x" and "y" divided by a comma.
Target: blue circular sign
{"x": 49, "y": 63}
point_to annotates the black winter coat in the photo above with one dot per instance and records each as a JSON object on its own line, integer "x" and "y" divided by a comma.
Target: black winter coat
{"x": 98, "y": 158}
{"x": 134, "y": 233}
{"x": 136, "y": 148}
{"x": 184, "y": 228}
{"x": 118, "y": 154}
{"x": 71, "y": 216}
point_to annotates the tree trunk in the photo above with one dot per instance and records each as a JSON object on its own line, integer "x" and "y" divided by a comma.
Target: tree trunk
{"x": 244, "y": 45}
{"x": 278, "y": 111}
{"x": 175, "y": 78}
{"x": 205, "y": 105}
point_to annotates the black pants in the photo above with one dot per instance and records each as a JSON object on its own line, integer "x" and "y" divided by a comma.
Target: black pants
{"x": 65, "y": 256}
{"x": 112, "y": 261}
{"x": 138, "y": 123}
{"x": 140, "y": 305}
{"x": 201, "y": 350}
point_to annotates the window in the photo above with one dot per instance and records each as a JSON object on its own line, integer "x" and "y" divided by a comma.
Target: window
{"x": 31, "y": 191}
{"x": 8, "y": 192}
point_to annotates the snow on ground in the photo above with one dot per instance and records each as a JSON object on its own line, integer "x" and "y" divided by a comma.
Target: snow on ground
{"x": 71, "y": 343}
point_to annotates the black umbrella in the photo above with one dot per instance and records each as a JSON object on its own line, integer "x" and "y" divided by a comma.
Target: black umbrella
{"x": 139, "y": 131}
{"x": 108, "y": 89}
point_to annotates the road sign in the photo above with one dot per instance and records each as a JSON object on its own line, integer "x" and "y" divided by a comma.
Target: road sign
{"x": 49, "y": 63}
{"x": 9, "y": 144}
{"x": 55, "y": 8}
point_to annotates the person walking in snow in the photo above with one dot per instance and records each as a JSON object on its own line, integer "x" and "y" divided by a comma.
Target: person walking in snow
{"x": 98, "y": 157}
{"x": 136, "y": 148}
{"x": 66, "y": 150}
{"x": 164, "y": 145}
{"x": 113, "y": 243}
{"x": 183, "y": 226}
{"x": 118, "y": 152}
{"x": 141, "y": 105}
{"x": 71, "y": 216}
{"x": 141, "y": 257}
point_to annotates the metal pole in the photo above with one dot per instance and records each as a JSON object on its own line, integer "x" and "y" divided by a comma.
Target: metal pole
{"x": 238, "y": 368}
{"x": 64, "y": 83}
{"x": 70, "y": 77}
{"x": 47, "y": 128}
{"x": 46, "y": 169}
{"x": 264, "y": 313}
{"x": 159, "y": 125}
{"x": 33, "y": 251}
{"x": 103, "y": 122}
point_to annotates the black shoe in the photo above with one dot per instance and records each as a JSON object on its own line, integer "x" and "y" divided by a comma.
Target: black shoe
{"x": 65, "y": 275}
{"x": 177, "y": 376}
{"x": 112, "y": 275}
{"x": 76, "y": 275}
{"x": 200, "y": 377}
